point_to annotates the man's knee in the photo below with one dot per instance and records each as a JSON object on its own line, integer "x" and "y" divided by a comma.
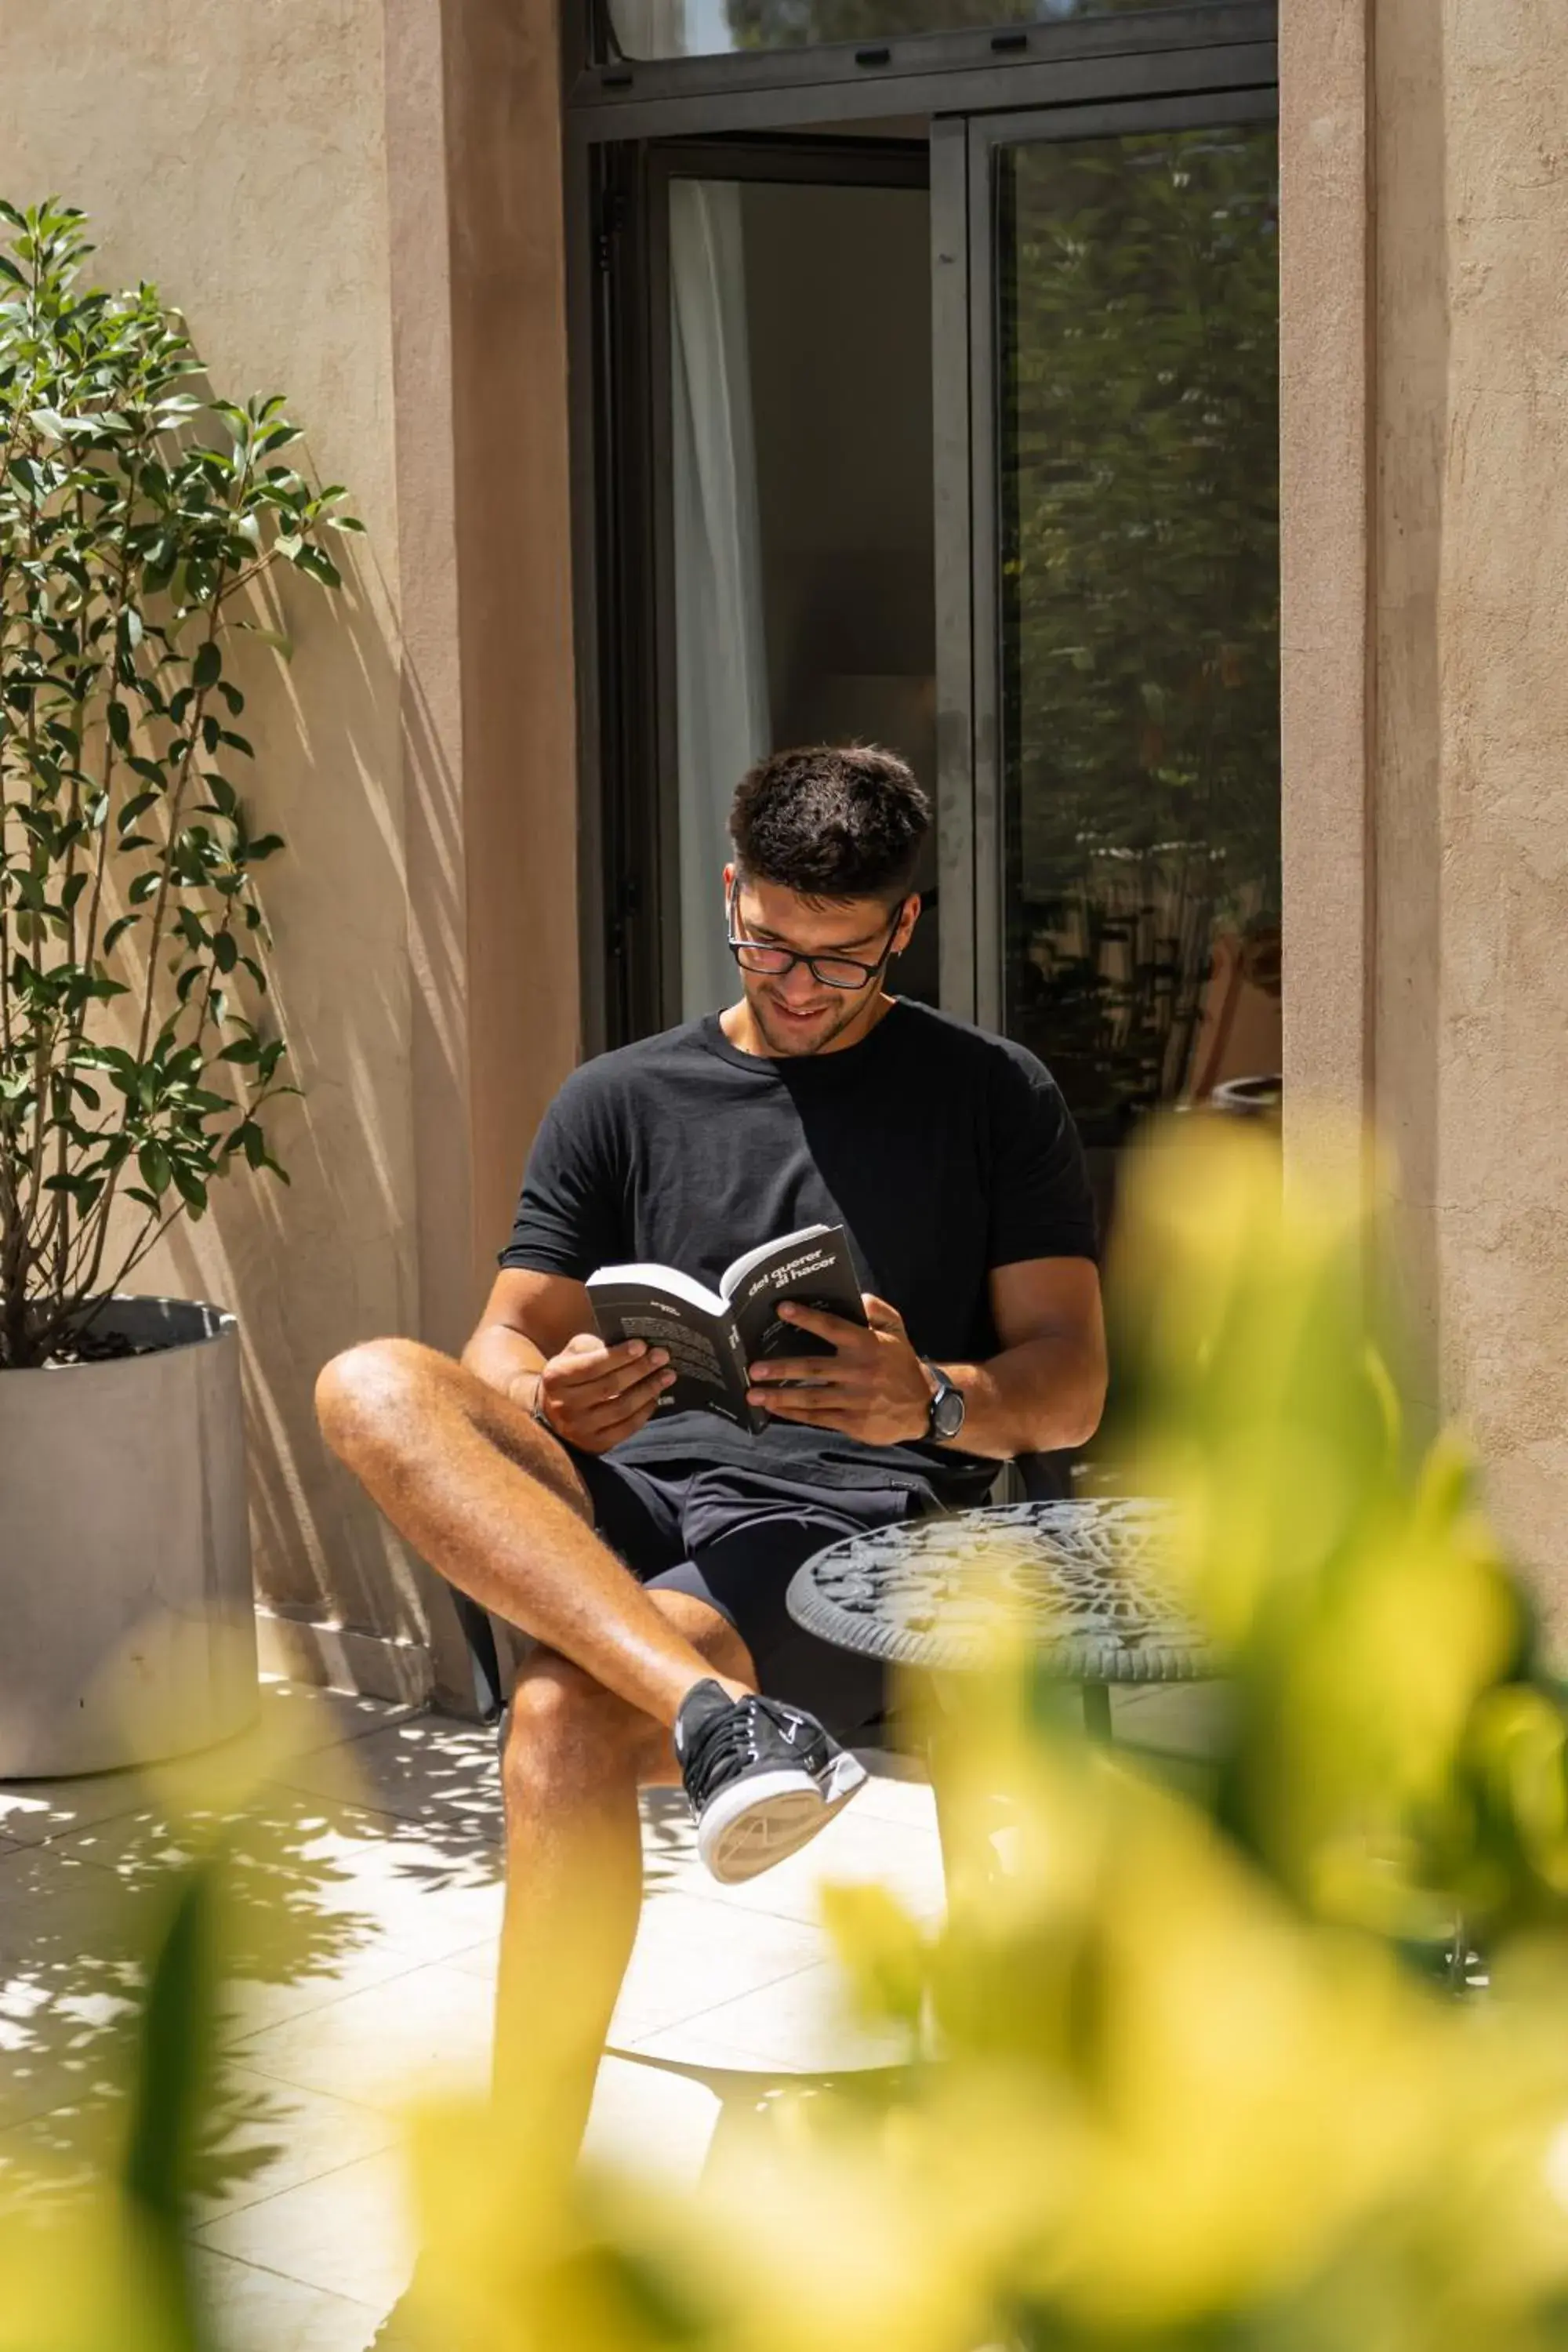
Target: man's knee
{"x": 567, "y": 1735}
{"x": 365, "y": 1394}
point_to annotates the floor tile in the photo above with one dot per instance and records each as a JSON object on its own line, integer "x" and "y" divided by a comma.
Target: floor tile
{"x": 429, "y": 2028}
{"x": 899, "y": 1855}
{"x": 261, "y": 2311}
{"x": 891, "y": 1795}
{"x": 429, "y": 1768}
{"x": 692, "y": 1955}
{"x": 651, "y": 2119}
{"x": 34, "y": 1811}
{"x": 317, "y": 1718}
{"x": 800, "y": 2025}
{"x": 349, "y": 2232}
{"x": 276, "y": 2137}
{"x": 319, "y": 1889}
{"x": 264, "y": 2138}
{"x": 73, "y": 1949}
{"x": 304, "y": 1721}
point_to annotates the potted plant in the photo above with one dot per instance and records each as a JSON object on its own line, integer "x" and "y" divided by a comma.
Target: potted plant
{"x": 139, "y": 514}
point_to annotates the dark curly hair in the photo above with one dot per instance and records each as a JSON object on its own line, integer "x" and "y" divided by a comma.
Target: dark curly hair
{"x": 831, "y": 823}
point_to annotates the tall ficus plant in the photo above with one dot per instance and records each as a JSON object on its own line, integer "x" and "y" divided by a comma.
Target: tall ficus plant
{"x": 137, "y": 514}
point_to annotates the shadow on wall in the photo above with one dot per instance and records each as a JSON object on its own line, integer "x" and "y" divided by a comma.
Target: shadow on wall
{"x": 1413, "y": 426}
{"x": 348, "y": 771}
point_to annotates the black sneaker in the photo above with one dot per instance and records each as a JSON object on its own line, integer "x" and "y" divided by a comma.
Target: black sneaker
{"x": 763, "y": 1778}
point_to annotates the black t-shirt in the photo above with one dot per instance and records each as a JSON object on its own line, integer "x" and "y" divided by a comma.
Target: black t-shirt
{"x": 942, "y": 1150}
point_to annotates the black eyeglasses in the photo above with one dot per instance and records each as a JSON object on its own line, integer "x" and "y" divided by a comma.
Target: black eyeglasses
{"x": 829, "y": 971}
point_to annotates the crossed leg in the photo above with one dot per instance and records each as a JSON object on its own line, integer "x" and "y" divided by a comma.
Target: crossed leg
{"x": 575, "y": 1756}
{"x": 492, "y": 1501}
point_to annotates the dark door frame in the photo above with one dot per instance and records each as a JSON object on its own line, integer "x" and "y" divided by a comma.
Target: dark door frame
{"x": 771, "y": 117}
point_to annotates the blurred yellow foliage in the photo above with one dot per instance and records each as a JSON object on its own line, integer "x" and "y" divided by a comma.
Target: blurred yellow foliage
{"x": 1184, "y": 2077}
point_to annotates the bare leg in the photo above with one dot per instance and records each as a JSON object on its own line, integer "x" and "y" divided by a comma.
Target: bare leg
{"x": 576, "y": 1756}
{"x": 491, "y": 1500}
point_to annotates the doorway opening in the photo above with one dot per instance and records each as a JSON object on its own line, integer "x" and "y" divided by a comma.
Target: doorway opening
{"x": 961, "y": 439}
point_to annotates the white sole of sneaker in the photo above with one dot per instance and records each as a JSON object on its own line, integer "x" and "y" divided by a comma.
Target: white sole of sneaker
{"x": 755, "y": 1823}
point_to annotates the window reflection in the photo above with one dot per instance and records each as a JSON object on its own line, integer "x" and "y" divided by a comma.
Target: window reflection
{"x": 700, "y": 28}
{"x": 1138, "y": 443}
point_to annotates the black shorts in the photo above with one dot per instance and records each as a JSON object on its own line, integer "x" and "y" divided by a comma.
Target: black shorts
{"x": 734, "y": 1538}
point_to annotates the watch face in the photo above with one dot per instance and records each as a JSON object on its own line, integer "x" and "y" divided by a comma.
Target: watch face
{"x": 947, "y": 1412}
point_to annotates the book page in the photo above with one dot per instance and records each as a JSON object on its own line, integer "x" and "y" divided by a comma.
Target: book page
{"x": 692, "y": 1354}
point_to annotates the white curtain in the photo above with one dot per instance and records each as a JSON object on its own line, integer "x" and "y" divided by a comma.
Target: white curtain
{"x": 720, "y": 653}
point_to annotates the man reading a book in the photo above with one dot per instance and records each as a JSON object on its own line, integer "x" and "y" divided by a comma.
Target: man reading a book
{"x": 647, "y": 1551}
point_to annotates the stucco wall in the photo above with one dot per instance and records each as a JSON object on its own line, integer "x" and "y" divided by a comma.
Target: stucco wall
{"x": 1425, "y": 301}
{"x": 283, "y": 174}
{"x": 1472, "y": 1039}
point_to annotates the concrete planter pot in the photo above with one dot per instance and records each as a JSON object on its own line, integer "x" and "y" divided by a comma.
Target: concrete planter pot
{"x": 129, "y": 1628}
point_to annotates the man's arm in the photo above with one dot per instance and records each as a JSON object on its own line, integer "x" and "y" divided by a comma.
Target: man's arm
{"x": 1044, "y": 1390}
{"x": 536, "y": 1343}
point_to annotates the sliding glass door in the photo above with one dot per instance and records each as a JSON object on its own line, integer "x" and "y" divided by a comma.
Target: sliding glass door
{"x": 1114, "y": 647}
{"x": 966, "y": 445}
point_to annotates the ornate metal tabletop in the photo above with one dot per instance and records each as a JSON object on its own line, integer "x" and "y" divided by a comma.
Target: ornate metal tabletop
{"x": 1088, "y": 1574}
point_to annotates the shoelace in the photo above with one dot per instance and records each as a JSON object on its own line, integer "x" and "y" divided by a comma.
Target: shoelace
{"x": 730, "y": 1741}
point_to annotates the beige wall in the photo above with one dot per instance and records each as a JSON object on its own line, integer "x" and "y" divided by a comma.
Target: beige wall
{"x": 359, "y": 201}
{"x": 282, "y": 172}
{"x": 1452, "y": 819}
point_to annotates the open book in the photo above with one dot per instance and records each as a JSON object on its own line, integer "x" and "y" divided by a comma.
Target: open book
{"x": 712, "y": 1335}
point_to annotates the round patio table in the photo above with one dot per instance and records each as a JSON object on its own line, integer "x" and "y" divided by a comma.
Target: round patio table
{"x": 1086, "y": 1575}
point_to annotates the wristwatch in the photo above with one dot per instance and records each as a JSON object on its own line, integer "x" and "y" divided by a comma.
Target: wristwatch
{"x": 947, "y": 1406}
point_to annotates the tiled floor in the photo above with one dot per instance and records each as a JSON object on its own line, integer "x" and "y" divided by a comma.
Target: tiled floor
{"x": 379, "y": 1849}
{"x": 377, "y": 1852}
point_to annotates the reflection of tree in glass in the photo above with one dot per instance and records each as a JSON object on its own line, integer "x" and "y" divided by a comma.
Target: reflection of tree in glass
{"x": 800, "y": 24}
{"x": 1138, "y": 286}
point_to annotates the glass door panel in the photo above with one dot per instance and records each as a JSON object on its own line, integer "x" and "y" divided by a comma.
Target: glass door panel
{"x": 1130, "y": 283}
{"x": 799, "y": 603}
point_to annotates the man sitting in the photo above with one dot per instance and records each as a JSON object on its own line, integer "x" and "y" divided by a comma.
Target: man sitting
{"x": 647, "y": 1553}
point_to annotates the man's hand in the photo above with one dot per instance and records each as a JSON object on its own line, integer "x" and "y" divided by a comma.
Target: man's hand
{"x": 873, "y": 1387}
{"x": 594, "y": 1396}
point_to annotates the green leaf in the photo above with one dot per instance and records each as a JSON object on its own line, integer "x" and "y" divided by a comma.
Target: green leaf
{"x": 153, "y": 1161}
{"x": 190, "y": 1187}
{"x": 273, "y": 637}
{"x": 207, "y": 666}
{"x": 117, "y": 930}
{"x": 225, "y": 954}
{"x": 320, "y": 566}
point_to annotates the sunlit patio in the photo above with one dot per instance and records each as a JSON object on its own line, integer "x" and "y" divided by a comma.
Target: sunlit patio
{"x": 375, "y": 1872}
{"x": 368, "y": 1899}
